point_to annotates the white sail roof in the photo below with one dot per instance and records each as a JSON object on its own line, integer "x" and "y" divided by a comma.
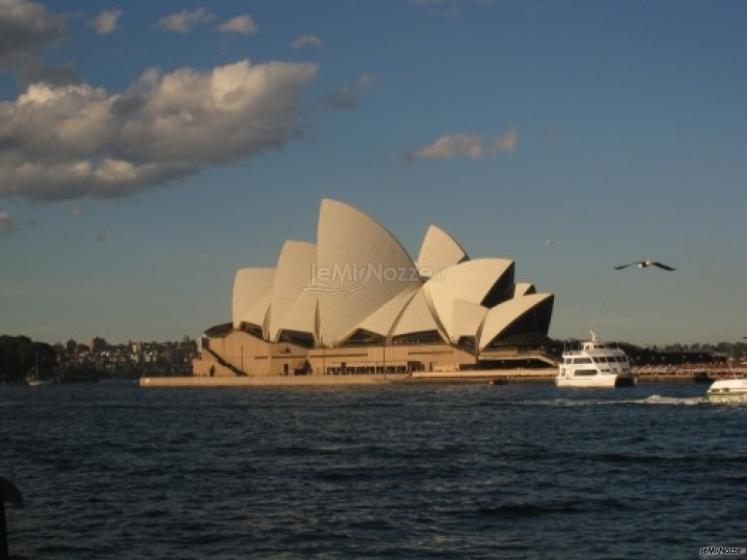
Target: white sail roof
{"x": 259, "y": 314}
{"x": 416, "y": 317}
{"x": 360, "y": 267}
{"x": 467, "y": 317}
{"x": 301, "y": 316}
{"x": 438, "y": 251}
{"x": 358, "y": 276}
{"x": 469, "y": 281}
{"x": 250, "y": 287}
{"x": 524, "y": 289}
{"x": 502, "y": 316}
{"x": 293, "y": 273}
{"x": 382, "y": 320}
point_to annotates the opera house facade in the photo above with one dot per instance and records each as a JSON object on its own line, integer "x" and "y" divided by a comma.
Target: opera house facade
{"x": 356, "y": 303}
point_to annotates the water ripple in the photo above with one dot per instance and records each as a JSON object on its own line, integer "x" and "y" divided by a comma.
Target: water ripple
{"x": 110, "y": 471}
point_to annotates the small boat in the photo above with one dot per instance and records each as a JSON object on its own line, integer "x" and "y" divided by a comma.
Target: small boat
{"x": 728, "y": 391}
{"x": 33, "y": 380}
{"x": 499, "y": 381}
{"x": 596, "y": 365}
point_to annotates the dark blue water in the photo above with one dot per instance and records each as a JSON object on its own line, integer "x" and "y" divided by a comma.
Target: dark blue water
{"x": 110, "y": 471}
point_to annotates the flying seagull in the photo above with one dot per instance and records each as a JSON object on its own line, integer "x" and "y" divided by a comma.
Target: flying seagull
{"x": 644, "y": 264}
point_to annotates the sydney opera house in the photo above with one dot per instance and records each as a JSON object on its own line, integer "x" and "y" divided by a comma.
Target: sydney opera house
{"x": 356, "y": 303}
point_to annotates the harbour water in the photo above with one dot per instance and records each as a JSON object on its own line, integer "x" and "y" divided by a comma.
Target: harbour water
{"x": 111, "y": 471}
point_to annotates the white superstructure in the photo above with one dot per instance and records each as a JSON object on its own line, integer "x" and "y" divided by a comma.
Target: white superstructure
{"x": 595, "y": 365}
{"x": 728, "y": 391}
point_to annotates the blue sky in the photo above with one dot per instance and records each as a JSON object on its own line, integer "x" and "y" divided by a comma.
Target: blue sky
{"x": 615, "y": 129}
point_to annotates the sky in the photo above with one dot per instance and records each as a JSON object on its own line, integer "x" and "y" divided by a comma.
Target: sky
{"x": 149, "y": 150}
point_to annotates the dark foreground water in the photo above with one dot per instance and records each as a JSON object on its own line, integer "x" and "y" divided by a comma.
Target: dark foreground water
{"x": 110, "y": 471}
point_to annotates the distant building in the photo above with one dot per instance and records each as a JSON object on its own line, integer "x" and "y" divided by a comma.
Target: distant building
{"x": 355, "y": 302}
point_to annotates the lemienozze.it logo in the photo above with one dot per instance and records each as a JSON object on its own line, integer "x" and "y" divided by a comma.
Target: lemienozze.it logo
{"x": 342, "y": 278}
{"x": 721, "y": 551}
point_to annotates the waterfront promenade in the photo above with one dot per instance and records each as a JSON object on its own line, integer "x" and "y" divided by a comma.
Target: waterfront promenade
{"x": 544, "y": 375}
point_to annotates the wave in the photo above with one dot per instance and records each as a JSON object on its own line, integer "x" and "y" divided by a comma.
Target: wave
{"x": 650, "y": 400}
{"x": 686, "y": 401}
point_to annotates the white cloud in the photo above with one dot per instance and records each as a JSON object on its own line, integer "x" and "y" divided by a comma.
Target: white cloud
{"x": 307, "y": 41}
{"x": 106, "y": 22}
{"x": 243, "y": 25}
{"x": 7, "y": 223}
{"x": 347, "y": 97}
{"x": 471, "y": 146}
{"x": 25, "y": 29}
{"x": 184, "y": 21}
{"x": 62, "y": 142}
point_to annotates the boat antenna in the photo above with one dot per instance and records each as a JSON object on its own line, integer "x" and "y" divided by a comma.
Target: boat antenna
{"x": 593, "y": 335}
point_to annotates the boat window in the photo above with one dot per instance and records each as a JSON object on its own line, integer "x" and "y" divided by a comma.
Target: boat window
{"x": 582, "y": 360}
{"x": 585, "y": 372}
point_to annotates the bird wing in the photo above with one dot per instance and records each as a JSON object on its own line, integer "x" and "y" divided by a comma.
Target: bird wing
{"x": 665, "y": 267}
{"x": 625, "y": 265}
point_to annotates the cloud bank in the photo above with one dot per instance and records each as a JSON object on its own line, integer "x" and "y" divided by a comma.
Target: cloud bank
{"x": 76, "y": 140}
{"x": 464, "y": 145}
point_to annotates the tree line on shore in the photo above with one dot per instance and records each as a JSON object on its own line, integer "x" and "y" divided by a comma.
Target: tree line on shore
{"x": 24, "y": 360}
{"x": 21, "y": 357}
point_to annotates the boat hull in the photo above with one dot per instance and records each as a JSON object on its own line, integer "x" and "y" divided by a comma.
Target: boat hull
{"x": 730, "y": 398}
{"x": 587, "y": 382}
{"x": 604, "y": 381}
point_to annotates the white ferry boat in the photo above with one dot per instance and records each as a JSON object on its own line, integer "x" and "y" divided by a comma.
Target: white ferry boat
{"x": 728, "y": 391}
{"x": 595, "y": 365}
